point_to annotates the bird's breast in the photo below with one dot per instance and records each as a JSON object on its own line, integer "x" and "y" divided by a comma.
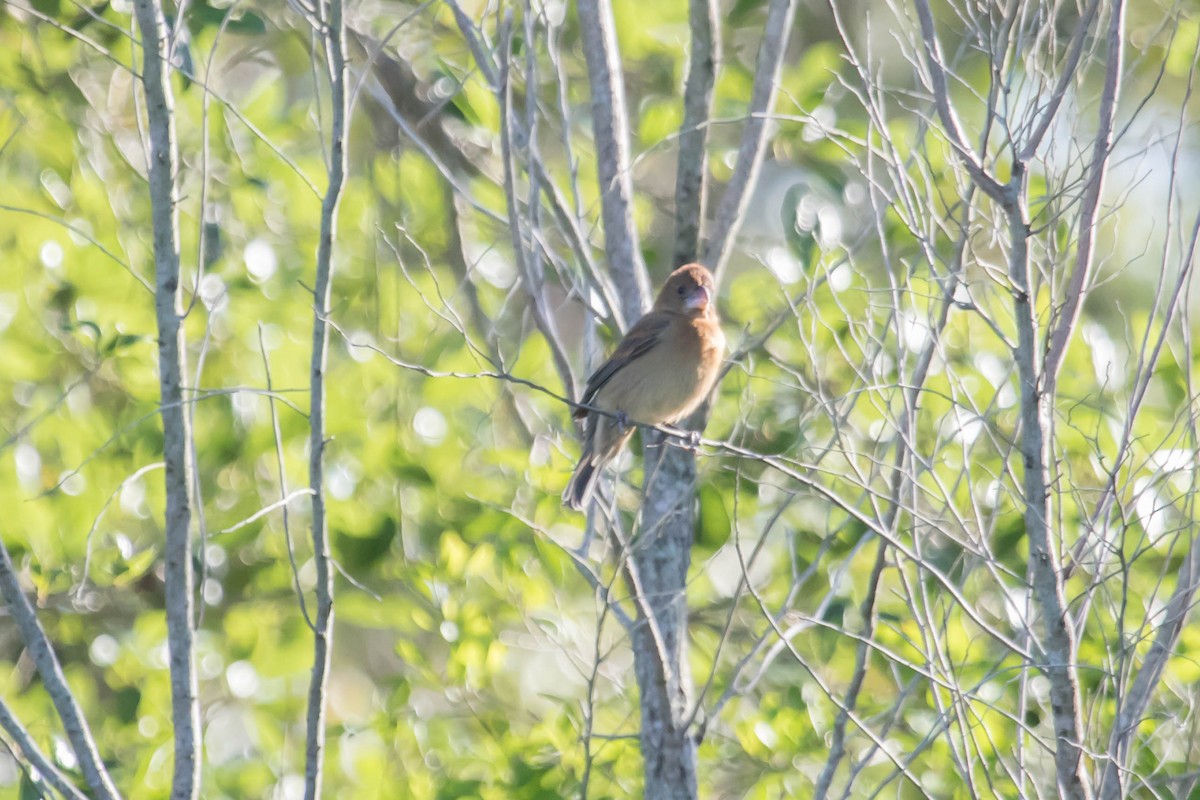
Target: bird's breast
{"x": 671, "y": 380}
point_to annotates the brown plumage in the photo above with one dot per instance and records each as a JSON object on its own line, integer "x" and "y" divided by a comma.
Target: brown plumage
{"x": 660, "y": 373}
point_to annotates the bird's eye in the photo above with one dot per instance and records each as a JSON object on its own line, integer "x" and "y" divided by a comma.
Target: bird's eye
{"x": 679, "y": 290}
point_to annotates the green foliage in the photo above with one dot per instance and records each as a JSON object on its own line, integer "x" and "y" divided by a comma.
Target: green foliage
{"x": 472, "y": 659}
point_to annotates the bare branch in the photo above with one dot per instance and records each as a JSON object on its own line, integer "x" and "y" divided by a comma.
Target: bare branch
{"x": 754, "y": 136}
{"x": 1068, "y": 73}
{"x": 471, "y": 33}
{"x": 1063, "y": 323}
{"x": 77, "y": 231}
{"x": 691, "y": 172}
{"x": 1133, "y": 705}
{"x": 522, "y": 241}
{"x": 935, "y": 64}
{"x": 282, "y": 502}
{"x": 78, "y": 733}
{"x": 610, "y": 122}
{"x": 1045, "y": 570}
{"x": 284, "y": 496}
{"x": 87, "y": 557}
{"x": 837, "y": 746}
{"x": 172, "y": 363}
{"x": 403, "y": 90}
{"x": 36, "y": 758}
{"x": 333, "y": 37}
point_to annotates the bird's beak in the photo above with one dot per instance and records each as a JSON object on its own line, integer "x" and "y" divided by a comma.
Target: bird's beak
{"x": 698, "y": 299}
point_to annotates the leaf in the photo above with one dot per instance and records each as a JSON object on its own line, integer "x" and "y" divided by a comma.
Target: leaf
{"x": 29, "y": 789}
{"x": 89, "y": 16}
{"x": 118, "y": 342}
{"x": 247, "y": 23}
{"x": 127, "y": 571}
{"x": 128, "y": 700}
{"x": 84, "y": 323}
{"x": 1010, "y": 534}
{"x": 357, "y": 553}
{"x": 713, "y": 525}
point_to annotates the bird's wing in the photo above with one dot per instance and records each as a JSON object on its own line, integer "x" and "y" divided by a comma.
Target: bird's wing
{"x": 642, "y": 338}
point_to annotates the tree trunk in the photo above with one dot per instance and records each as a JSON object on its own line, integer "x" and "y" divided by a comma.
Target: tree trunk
{"x": 661, "y": 556}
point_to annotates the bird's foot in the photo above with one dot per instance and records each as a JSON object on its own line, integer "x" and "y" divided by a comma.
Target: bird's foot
{"x": 691, "y": 441}
{"x": 622, "y": 421}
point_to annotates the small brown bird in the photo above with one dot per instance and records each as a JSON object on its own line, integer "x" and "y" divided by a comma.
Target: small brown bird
{"x": 660, "y": 373}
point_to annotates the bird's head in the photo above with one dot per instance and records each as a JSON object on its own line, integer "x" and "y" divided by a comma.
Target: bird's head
{"x": 688, "y": 290}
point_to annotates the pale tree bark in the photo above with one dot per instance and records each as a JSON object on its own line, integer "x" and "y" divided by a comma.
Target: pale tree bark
{"x": 172, "y": 364}
{"x": 610, "y": 121}
{"x": 691, "y": 171}
{"x": 79, "y": 734}
{"x": 1133, "y": 705}
{"x": 732, "y": 208}
{"x": 24, "y": 747}
{"x": 333, "y": 36}
{"x": 1059, "y": 642}
{"x": 1067, "y": 315}
{"x": 661, "y": 553}
{"x": 1058, "y": 650}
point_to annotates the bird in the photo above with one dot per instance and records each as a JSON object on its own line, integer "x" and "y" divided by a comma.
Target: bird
{"x": 660, "y": 373}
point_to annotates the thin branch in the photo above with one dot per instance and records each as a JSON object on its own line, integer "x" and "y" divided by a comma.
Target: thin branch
{"x": 610, "y": 122}
{"x": 1133, "y": 705}
{"x": 29, "y": 750}
{"x": 172, "y": 364}
{"x": 482, "y": 58}
{"x": 284, "y": 495}
{"x": 935, "y": 64}
{"x": 522, "y": 241}
{"x": 75, "y": 229}
{"x": 905, "y": 454}
{"x": 87, "y": 555}
{"x": 1068, "y": 73}
{"x": 1067, "y": 315}
{"x": 732, "y": 208}
{"x": 691, "y": 172}
{"x": 83, "y": 743}
{"x": 282, "y": 502}
{"x": 1044, "y": 567}
{"x": 334, "y": 36}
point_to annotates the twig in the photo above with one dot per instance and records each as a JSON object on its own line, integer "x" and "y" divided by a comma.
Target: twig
{"x": 1066, "y": 316}
{"x": 1068, "y": 74}
{"x": 935, "y": 64}
{"x": 905, "y": 455}
{"x": 282, "y": 502}
{"x": 87, "y": 555}
{"x": 75, "y": 229}
{"x": 284, "y": 495}
{"x": 733, "y": 204}
{"x": 522, "y": 241}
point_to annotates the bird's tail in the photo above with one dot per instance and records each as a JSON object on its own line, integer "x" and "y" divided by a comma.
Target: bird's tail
{"x": 601, "y": 444}
{"x": 582, "y": 484}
